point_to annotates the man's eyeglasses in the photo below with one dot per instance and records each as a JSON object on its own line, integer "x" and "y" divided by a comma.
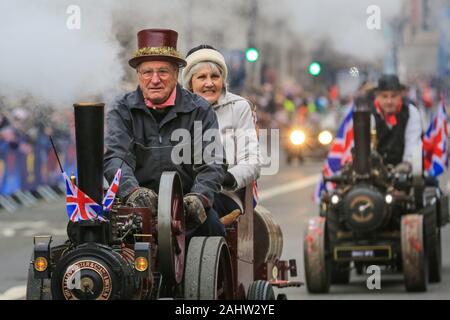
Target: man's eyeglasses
{"x": 163, "y": 73}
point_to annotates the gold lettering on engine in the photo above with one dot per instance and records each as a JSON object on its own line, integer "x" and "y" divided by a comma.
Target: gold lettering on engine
{"x": 75, "y": 270}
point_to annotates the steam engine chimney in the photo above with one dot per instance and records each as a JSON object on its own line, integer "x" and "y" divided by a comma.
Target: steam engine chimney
{"x": 89, "y": 126}
{"x": 361, "y": 129}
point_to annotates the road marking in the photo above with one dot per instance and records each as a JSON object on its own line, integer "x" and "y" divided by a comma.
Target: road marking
{"x": 28, "y": 229}
{"x": 52, "y": 231}
{"x": 24, "y": 224}
{"x": 8, "y": 232}
{"x": 289, "y": 187}
{"x": 14, "y": 293}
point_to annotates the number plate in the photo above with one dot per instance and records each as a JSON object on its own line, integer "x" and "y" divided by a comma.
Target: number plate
{"x": 359, "y": 253}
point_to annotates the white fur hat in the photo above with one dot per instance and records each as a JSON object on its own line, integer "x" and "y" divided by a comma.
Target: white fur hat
{"x": 203, "y": 55}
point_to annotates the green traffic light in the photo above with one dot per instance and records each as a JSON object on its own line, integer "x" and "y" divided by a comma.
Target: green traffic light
{"x": 252, "y": 55}
{"x": 315, "y": 68}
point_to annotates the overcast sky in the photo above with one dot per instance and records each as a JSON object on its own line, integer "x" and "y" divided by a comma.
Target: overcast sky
{"x": 342, "y": 21}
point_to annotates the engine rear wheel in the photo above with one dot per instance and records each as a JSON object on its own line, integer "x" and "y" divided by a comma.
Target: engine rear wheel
{"x": 359, "y": 267}
{"x": 433, "y": 246}
{"x": 435, "y": 259}
{"x": 317, "y": 257}
{"x": 413, "y": 253}
{"x": 208, "y": 274}
{"x": 340, "y": 273}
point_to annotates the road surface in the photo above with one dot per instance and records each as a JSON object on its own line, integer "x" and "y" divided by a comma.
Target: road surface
{"x": 288, "y": 195}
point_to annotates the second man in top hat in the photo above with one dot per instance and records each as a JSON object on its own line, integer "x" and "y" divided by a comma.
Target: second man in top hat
{"x": 398, "y": 125}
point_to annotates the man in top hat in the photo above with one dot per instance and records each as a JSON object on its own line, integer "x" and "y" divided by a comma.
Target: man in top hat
{"x": 398, "y": 125}
{"x": 140, "y": 127}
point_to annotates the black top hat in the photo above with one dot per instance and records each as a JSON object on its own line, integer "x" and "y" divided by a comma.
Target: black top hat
{"x": 389, "y": 82}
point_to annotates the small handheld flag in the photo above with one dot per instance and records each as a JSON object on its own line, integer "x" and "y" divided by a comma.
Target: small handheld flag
{"x": 79, "y": 205}
{"x": 340, "y": 152}
{"x": 112, "y": 190}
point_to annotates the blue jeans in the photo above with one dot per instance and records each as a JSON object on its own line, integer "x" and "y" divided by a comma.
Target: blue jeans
{"x": 211, "y": 227}
{"x": 224, "y": 204}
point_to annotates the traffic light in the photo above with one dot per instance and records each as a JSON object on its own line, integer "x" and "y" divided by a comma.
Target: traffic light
{"x": 314, "y": 68}
{"x": 252, "y": 55}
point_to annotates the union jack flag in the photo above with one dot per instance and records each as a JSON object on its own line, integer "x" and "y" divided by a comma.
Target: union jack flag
{"x": 340, "y": 153}
{"x": 255, "y": 184}
{"x": 112, "y": 190}
{"x": 435, "y": 143}
{"x": 79, "y": 205}
{"x": 255, "y": 194}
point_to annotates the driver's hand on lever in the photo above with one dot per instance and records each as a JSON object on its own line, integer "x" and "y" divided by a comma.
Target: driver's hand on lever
{"x": 194, "y": 210}
{"x": 143, "y": 197}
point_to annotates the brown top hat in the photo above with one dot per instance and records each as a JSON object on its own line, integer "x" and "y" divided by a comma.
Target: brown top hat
{"x": 157, "y": 45}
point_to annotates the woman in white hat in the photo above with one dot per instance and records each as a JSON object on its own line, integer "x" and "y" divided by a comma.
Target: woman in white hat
{"x": 206, "y": 75}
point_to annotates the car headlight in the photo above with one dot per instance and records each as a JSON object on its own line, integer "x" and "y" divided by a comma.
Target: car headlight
{"x": 325, "y": 137}
{"x": 297, "y": 137}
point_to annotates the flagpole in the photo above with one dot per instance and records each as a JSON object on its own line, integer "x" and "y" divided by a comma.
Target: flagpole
{"x": 56, "y": 154}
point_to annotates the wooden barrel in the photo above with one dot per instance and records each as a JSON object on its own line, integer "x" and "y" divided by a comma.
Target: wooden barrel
{"x": 268, "y": 238}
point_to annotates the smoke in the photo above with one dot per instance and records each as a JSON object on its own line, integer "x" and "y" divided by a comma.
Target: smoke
{"x": 42, "y": 60}
{"x": 41, "y": 57}
{"x": 343, "y": 22}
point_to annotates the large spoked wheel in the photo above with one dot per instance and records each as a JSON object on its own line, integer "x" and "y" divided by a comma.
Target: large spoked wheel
{"x": 171, "y": 229}
{"x": 261, "y": 290}
{"x": 433, "y": 246}
{"x": 208, "y": 274}
{"x": 413, "y": 253}
{"x": 316, "y": 255}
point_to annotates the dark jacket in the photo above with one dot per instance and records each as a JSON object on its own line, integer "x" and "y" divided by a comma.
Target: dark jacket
{"x": 131, "y": 126}
{"x": 391, "y": 140}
